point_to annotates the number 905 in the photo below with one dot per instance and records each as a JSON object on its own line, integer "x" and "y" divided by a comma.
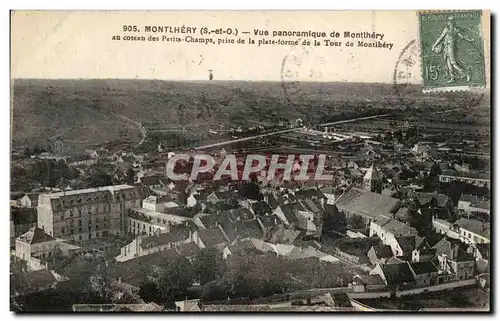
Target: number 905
{"x": 130, "y": 28}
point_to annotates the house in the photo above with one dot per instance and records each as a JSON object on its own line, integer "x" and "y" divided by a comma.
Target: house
{"x": 366, "y": 204}
{"x": 188, "y": 250}
{"x": 145, "y": 245}
{"x": 470, "y": 204}
{"x": 310, "y": 193}
{"x": 35, "y": 243}
{"x": 481, "y": 253}
{"x": 243, "y": 246}
{"x": 221, "y": 196}
{"x": 423, "y": 254}
{"x": 29, "y": 200}
{"x": 354, "y": 250}
{"x": 425, "y": 273}
{"x": 398, "y": 276}
{"x": 197, "y": 199}
{"x": 365, "y": 283}
{"x": 403, "y": 246}
{"x": 282, "y": 234}
{"x": 398, "y": 235}
{"x": 154, "y": 181}
{"x": 478, "y": 179}
{"x": 240, "y": 214}
{"x": 379, "y": 254}
{"x": 143, "y": 221}
{"x": 329, "y": 192}
{"x": 444, "y": 227}
{"x": 431, "y": 200}
{"x": 472, "y": 231}
{"x": 211, "y": 238}
{"x": 454, "y": 260}
{"x": 386, "y": 228}
{"x": 287, "y": 213}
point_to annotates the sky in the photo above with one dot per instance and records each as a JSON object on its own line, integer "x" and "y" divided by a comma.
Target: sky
{"x": 78, "y": 44}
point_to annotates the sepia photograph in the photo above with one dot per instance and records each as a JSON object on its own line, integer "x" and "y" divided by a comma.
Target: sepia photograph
{"x": 250, "y": 161}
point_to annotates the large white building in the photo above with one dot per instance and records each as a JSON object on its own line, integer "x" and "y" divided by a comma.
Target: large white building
{"x": 87, "y": 213}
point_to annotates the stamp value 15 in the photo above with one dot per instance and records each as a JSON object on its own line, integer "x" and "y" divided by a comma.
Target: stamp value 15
{"x": 452, "y": 50}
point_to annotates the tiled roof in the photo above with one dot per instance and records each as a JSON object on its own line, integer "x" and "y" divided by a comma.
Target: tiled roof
{"x": 211, "y": 237}
{"x": 395, "y": 226}
{"x": 309, "y": 193}
{"x": 209, "y": 220}
{"x": 383, "y": 251}
{"x": 241, "y": 213}
{"x": 153, "y": 180}
{"x": 403, "y": 214}
{"x": 396, "y": 274}
{"x": 366, "y": 203}
{"x": 177, "y": 234}
{"x": 484, "y": 249}
{"x": 96, "y": 195}
{"x": 188, "y": 249}
{"x": 374, "y": 279}
{"x": 248, "y": 229}
{"x": 424, "y": 267}
{"x": 311, "y": 206}
{"x": 35, "y": 235}
{"x": 290, "y": 211}
{"x": 273, "y": 202}
{"x": 261, "y": 208}
{"x": 406, "y": 243}
{"x": 475, "y": 226}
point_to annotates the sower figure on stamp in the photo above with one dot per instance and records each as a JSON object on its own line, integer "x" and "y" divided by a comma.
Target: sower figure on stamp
{"x": 447, "y": 44}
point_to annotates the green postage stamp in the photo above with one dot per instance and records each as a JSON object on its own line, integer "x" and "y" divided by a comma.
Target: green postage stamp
{"x": 452, "y": 50}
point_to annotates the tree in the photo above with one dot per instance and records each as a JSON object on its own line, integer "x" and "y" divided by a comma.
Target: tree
{"x": 207, "y": 266}
{"x": 130, "y": 176}
{"x": 251, "y": 190}
{"x": 177, "y": 277}
{"x": 355, "y": 222}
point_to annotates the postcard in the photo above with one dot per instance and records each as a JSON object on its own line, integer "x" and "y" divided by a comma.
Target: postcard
{"x": 248, "y": 161}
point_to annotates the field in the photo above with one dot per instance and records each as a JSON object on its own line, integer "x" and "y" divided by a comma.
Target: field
{"x": 96, "y": 111}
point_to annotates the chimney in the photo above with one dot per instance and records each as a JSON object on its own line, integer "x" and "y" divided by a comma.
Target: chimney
{"x": 120, "y": 280}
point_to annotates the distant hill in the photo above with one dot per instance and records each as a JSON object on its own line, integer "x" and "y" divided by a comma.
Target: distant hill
{"x": 95, "y": 111}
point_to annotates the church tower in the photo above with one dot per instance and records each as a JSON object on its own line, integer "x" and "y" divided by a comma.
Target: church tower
{"x": 373, "y": 180}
